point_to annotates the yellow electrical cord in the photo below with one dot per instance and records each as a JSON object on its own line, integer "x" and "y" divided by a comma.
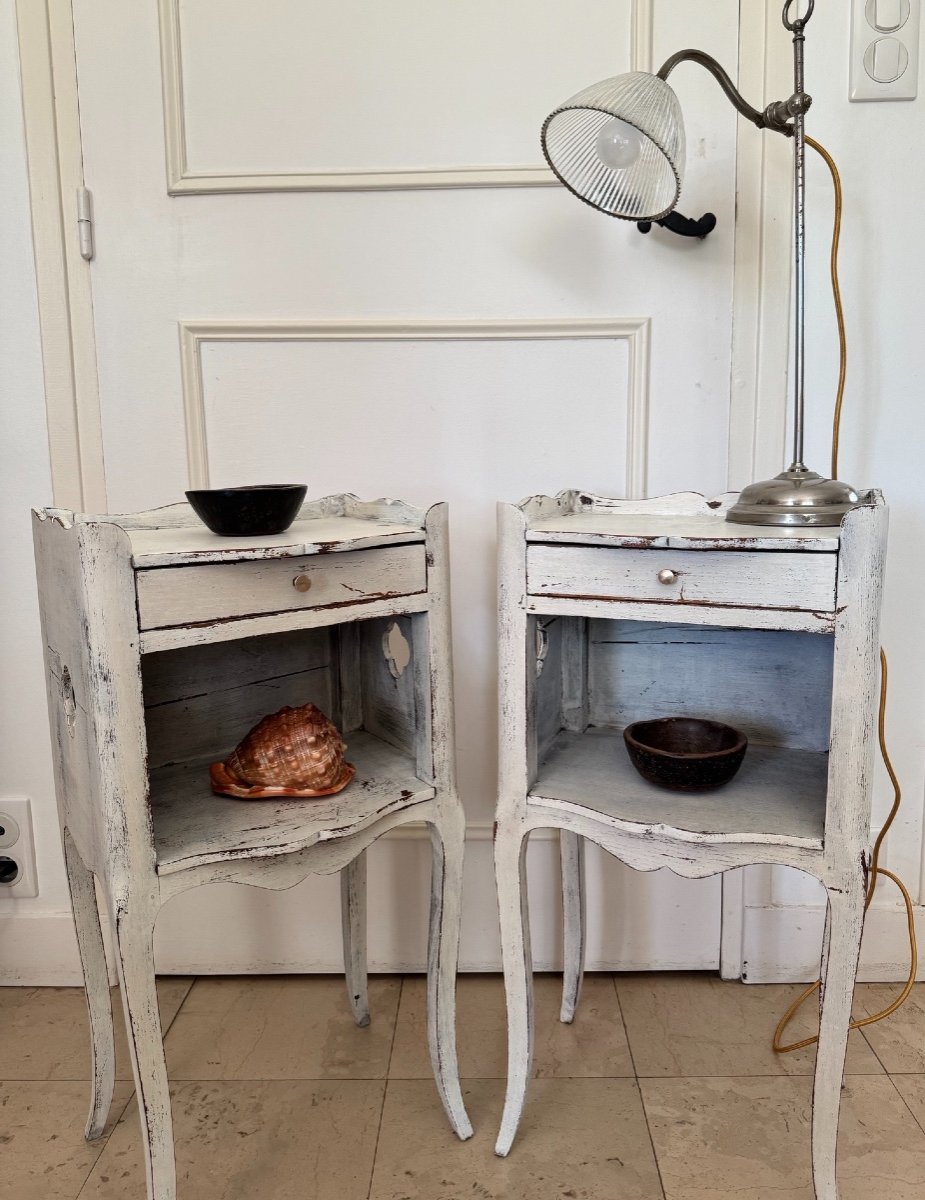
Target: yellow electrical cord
{"x": 875, "y": 869}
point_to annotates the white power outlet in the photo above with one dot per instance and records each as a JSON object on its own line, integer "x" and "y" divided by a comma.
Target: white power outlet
{"x": 18, "y": 879}
{"x": 885, "y": 49}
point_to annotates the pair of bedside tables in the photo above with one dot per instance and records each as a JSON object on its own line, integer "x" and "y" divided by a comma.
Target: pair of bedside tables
{"x": 163, "y": 643}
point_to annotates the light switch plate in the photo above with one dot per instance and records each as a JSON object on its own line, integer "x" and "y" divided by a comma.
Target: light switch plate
{"x": 884, "y": 49}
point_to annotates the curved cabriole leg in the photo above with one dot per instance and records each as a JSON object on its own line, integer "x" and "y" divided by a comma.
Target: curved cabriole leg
{"x": 96, "y": 987}
{"x": 510, "y": 873}
{"x": 353, "y": 922}
{"x": 840, "y": 951}
{"x": 448, "y": 841}
{"x": 572, "y": 860}
{"x": 135, "y": 954}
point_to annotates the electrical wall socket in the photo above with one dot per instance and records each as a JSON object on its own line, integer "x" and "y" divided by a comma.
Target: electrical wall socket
{"x": 17, "y": 843}
{"x": 884, "y": 49}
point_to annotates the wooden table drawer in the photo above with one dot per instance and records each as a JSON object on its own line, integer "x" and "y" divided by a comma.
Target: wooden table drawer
{"x": 763, "y": 579}
{"x": 191, "y": 595}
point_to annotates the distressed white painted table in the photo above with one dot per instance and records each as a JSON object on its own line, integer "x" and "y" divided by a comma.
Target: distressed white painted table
{"x": 164, "y": 644}
{"x": 612, "y": 611}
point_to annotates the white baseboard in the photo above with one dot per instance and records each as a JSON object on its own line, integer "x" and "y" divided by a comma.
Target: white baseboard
{"x": 635, "y": 922}
{"x": 783, "y": 943}
{"x": 39, "y": 951}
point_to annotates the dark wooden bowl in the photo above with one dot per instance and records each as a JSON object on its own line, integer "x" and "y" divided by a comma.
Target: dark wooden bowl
{"x": 258, "y": 511}
{"x": 685, "y": 754}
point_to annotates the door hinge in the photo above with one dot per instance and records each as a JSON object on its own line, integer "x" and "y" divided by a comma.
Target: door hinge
{"x": 85, "y": 222}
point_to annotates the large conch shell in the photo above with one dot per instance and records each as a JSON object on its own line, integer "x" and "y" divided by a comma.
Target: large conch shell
{"x": 293, "y": 752}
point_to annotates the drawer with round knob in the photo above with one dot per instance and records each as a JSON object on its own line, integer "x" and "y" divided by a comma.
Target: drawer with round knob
{"x": 734, "y": 579}
{"x": 169, "y": 596}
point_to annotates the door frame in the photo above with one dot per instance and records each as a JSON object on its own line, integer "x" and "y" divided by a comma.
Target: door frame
{"x": 48, "y": 71}
{"x": 759, "y": 363}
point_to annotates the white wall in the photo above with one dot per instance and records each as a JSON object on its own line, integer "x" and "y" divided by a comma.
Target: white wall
{"x": 878, "y": 147}
{"x": 25, "y": 766}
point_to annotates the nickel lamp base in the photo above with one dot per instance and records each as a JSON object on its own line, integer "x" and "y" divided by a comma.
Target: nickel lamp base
{"x": 796, "y": 497}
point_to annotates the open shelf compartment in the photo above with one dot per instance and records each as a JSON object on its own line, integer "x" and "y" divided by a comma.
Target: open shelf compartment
{"x": 778, "y": 796}
{"x": 200, "y": 701}
{"x": 193, "y": 827}
{"x": 594, "y": 677}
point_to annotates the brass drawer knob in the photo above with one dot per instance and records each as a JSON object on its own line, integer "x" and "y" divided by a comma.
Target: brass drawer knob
{"x": 667, "y": 577}
{"x": 302, "y": 583}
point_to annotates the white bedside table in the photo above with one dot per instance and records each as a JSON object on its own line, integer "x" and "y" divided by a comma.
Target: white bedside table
{"x": 164, "y": 644}
{"x": 603, "y": 607}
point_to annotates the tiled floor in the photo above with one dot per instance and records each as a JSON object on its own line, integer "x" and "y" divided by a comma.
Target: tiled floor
{"x": 665, "y": 1087}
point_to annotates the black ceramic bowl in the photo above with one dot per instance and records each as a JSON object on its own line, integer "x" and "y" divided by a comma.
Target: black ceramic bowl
{"x": 685, "y": 754}
{"x": 248, "y": 511}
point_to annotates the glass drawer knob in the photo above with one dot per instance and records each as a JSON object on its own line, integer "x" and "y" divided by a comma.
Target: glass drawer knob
{"x": 301, "y": 583}
{"x": 667, "y": 576}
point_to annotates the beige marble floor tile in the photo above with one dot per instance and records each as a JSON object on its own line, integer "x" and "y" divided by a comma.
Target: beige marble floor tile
{"x": 912, "y": 1090}
{"x": 697, "y": 1025}
{"x": 46, "y": 1035}
{"x": 898, "y": 1041}
{"x": 281, "y": 1027}
{"x": 44, "y": 1155}
{"x": 750, "y": 1138}
{"x": 593, "y": 1046}
{"x": 254, "y": 1140}
{"x": 580, "y": 1138}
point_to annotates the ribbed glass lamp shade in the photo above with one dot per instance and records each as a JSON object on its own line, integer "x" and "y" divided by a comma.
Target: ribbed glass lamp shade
{"x": 619, "y": 146}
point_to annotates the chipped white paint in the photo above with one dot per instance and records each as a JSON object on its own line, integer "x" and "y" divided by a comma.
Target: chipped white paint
{"x": 740, "y": 579}
{"x": 133, "y": 734}
{"x": 802, "y": 798}
{"x": 193, "y": 595}
{"x": 396, "y": 650}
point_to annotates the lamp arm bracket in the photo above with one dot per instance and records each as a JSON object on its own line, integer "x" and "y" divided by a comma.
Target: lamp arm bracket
{"x": 778, "y": 116}
{"x": 675, "y": 222}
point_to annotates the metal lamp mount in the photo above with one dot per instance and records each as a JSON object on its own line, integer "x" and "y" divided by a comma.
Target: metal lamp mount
{"x": 638, "y": 177}
{"x": 798, "y": 496}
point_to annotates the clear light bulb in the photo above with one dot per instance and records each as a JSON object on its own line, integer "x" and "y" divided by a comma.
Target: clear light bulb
{"x": 618, "y": 144}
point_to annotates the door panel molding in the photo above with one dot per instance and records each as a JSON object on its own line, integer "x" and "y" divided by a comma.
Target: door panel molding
{"x": 636, "y": 331}
{"x": 182, "y": 180}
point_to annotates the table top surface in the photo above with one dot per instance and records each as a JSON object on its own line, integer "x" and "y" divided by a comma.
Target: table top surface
{"x": 676, "y": 531}
{"x": 187, "y": 544}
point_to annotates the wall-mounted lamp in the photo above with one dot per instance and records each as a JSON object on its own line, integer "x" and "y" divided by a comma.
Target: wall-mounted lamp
{"x": 619, "y": 146}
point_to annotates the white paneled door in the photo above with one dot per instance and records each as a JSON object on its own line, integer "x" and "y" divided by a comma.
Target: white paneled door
{"x": 326, "y": 250}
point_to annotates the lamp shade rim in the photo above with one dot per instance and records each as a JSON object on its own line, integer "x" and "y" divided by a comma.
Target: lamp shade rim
{"x": 599, "y": 108}
{"x": 644, "y": 103}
